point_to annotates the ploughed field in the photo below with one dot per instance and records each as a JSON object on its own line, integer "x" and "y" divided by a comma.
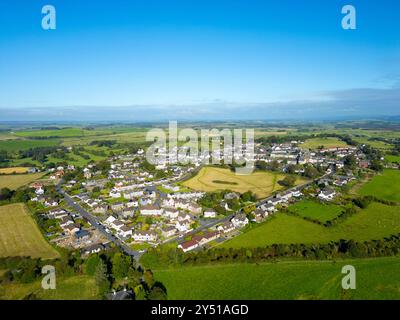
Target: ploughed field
{"x": 261, "y": 183}
{"x": 20, "y": 236}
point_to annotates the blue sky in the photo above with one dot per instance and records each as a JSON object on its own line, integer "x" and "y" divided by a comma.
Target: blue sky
{"x": 198, "y": 59}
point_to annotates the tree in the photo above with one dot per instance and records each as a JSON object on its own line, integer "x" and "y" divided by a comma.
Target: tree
{"x": 91, "y": 264}
{"x": 310, "y": 172}
{"x": 148, "y": 278}
{"x": 5, "y": 194}
{"x": 350, "y": 161}
{"x": 288, "y": 181}
{"x": 157, "y": 293}
{"x": 120, "y": 265}
{"x": 101, "y": 278}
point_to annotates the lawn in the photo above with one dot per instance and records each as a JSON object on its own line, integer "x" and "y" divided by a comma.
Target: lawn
{"x": 72, "y": 288}
{"x": 325, "y": 142}
{"x": 20, "y": 236}
{"x": 385, "y": 186}
{"x": 376, "y": 279}
{"x": 316, "y": 210}
{"x": 20, "y": 144}
{"x": 261, "y": 183}
{"x": 14, "y": 181}
{"x": 375, "y": 222}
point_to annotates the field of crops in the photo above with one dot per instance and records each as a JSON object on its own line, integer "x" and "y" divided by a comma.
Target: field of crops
{"x": 12, "y": 170}
{"x": 213, "y": 179}
{"x": 376, "y": 279}
{"x": 14, "y": 181}
{"x": 20, "y": 236}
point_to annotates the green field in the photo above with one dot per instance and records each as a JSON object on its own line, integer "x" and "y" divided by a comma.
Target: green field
{"x": 375, "y": 222}
{"x": 385, "y": 186}
{"x": 20, "y": 236}
{"x": 376, "y": 279}
{"x": 16, "y": 145}
{"x": 14, "y": 181}
{"x": 392, "y": 159}
{"x": 325, "y": 142}
{"x": 316, "y": 210}
{"x": 262, "y": 184}
{"x": 72, "y": 288}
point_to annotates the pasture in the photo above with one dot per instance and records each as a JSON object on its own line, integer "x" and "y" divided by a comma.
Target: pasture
{"x": 72, "y": 288}
{"x": 261, "y": 183}
{"x": 325, "y": 143}
{"x": 385, "y": 185}
{"x": 316, "y": 210}
{"x": 376, "y": 279}
{"x": 375, "y": 222}
{"x": 22, "y": 144}
{"x": 20, "y": 236}
{"x": 14, "y": 181}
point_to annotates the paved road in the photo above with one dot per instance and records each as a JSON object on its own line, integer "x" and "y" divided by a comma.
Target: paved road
{"x": 95, "y": 223}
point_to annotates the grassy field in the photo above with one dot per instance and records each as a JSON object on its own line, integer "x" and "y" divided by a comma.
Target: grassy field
{"x": 72, "y": 288}
{"x": 385, "y": 186}
{"x": 376, "y": 279}
{"x": 393, "y": 159}
{"x": 14, "y": 181}
{"x": 315, "y": 210}
{"x": 20, "y": 144}
{"x": 375, "y": 222}
{"x": 325, "y": 142}
{"x": 212, "y": 179}
{"x": 20, "y": 236}
{"x": 13, "y": 170}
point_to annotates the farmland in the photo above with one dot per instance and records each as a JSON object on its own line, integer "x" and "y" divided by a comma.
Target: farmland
{"x": 376, "y": 279}
{"x": 210, "y": 179}
{"x": 21, "y": 144}
{"x": 385, "y": 186}
{"x": 72, "y": 288}
{"x": 13, "y": 170}
{"x": 315, "y": 143}
{"x": 315, "y": 210}
{"x": 20, "y": 236}
{"x": 14, "y": 181}
{"x": 375, "y": 222}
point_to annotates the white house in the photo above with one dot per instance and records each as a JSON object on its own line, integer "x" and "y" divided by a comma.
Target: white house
{"x": 144, "y": 236}
{"x": 210, "y": 213}
{"x": 183, "y": 226}
{"x": 151, "y": 210}
{"x": 125, "y": 232}
{"x": 327, "y": 195}
{"x": 240, "y": 220}
{"x": 188, "y": 245}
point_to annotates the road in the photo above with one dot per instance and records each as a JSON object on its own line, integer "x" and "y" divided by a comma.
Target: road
{"x": 95, "y": 223}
